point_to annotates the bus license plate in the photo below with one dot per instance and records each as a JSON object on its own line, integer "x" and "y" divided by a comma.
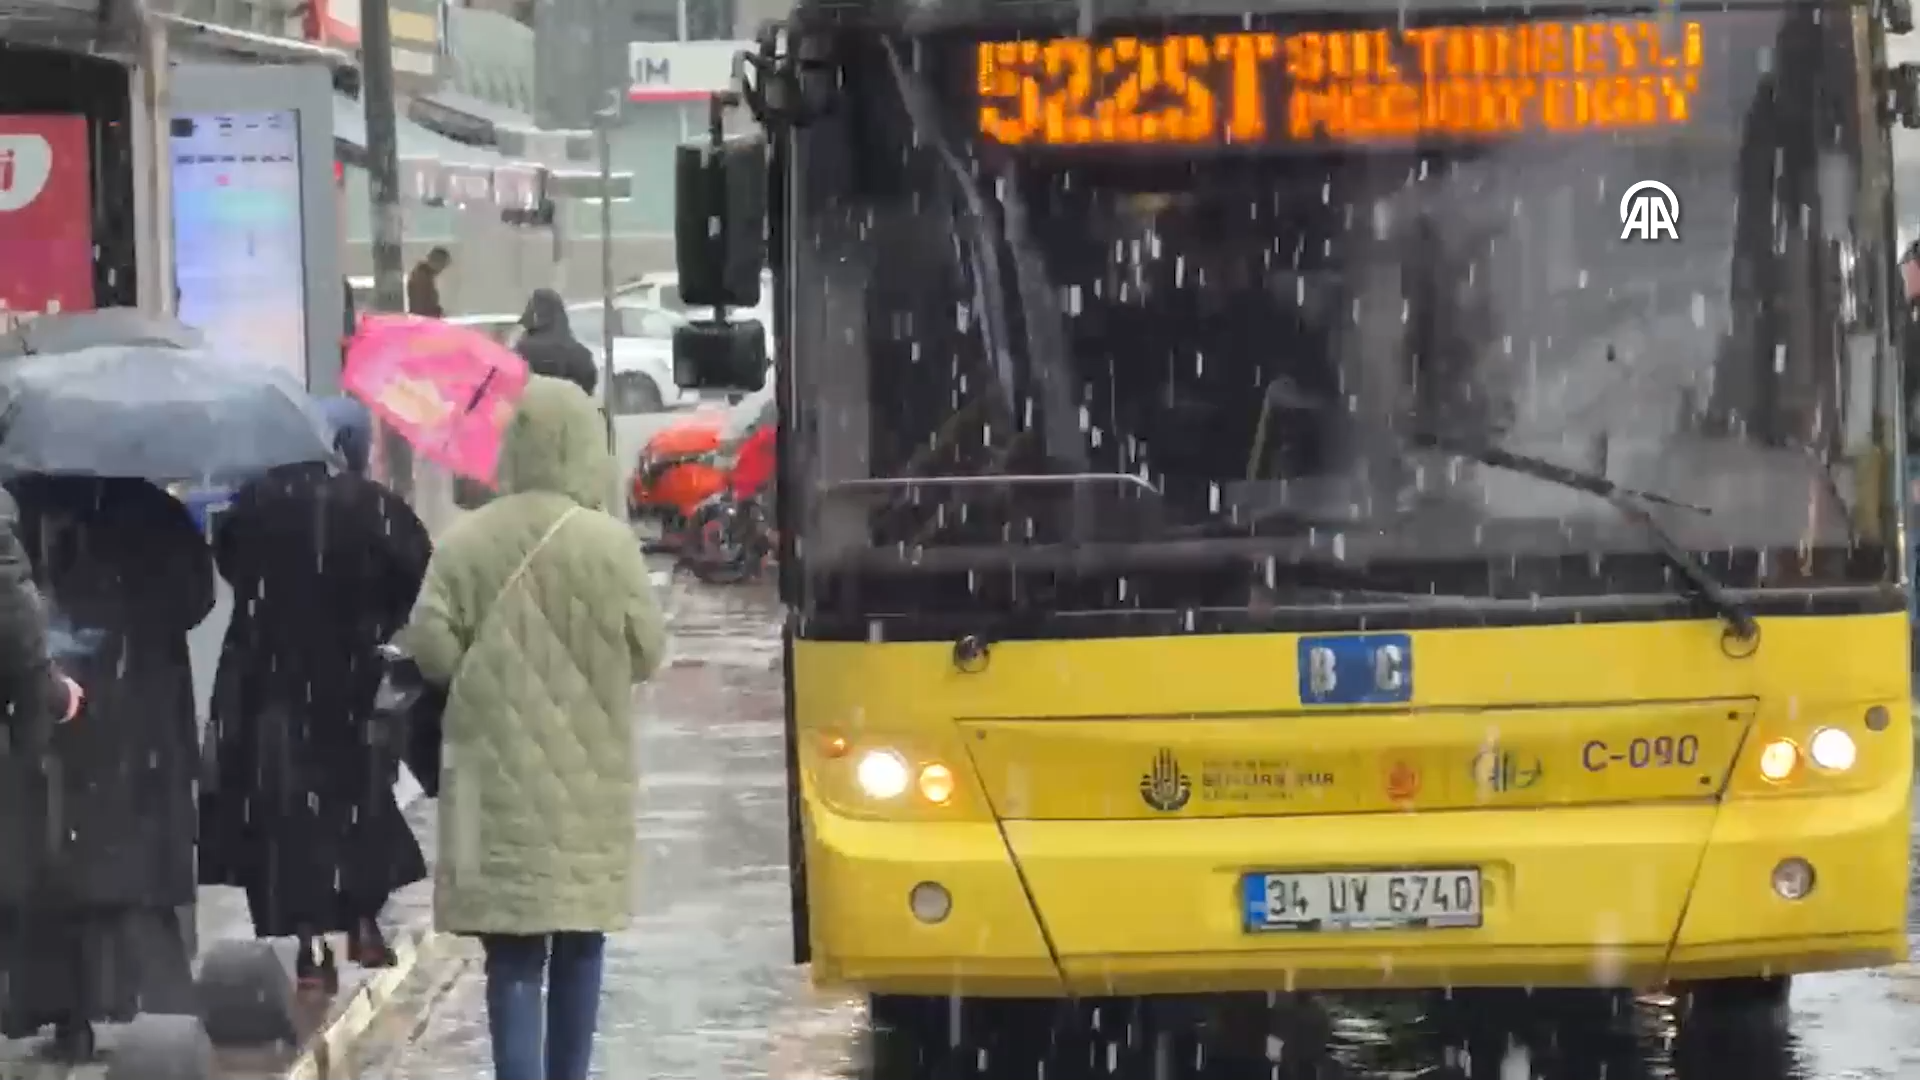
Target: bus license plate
{"x": 1362, "y": 900}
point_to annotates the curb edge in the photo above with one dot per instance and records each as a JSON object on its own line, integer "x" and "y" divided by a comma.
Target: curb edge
{"x": 337, "y": 1037}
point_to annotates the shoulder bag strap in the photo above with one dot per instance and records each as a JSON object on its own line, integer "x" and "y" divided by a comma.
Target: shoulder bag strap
{"x": 520, "y": 571}
{"x": 514, "y": 578}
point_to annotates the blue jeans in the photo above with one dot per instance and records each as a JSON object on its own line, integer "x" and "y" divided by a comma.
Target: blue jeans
{"x": 568, "y": 965}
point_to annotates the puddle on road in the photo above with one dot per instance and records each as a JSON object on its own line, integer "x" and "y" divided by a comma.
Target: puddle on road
{"x": 713, "y": 780}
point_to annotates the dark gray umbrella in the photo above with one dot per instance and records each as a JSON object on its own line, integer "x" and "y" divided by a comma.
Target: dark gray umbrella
{"x": 87, "y": 329}
{"x": 155, "y": 413}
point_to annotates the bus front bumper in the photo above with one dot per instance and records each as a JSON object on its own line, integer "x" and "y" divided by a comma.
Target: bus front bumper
{"x": 1623, "y": 896}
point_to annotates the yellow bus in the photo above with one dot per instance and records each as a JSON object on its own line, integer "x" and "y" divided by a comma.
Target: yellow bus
{"x": 1303, "y": 496}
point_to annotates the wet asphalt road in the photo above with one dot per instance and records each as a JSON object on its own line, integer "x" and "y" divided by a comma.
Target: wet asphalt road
{"x": 700, "y": 987}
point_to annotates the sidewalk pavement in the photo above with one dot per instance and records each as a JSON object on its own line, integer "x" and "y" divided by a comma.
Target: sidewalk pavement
{"x": 408, "y": 921}
{"x": 328, "y": 1027}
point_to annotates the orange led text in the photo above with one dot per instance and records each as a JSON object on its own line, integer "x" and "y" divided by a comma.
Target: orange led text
{"x": 1341, "y": 86}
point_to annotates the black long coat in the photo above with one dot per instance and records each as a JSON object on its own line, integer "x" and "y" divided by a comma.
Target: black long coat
{"x": 549, "y": 347}
{"x": 301, "y": 811}
{"x": 93, "y": 931}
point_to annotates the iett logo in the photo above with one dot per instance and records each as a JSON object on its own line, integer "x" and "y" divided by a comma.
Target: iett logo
{"x": 1165, "y": 787}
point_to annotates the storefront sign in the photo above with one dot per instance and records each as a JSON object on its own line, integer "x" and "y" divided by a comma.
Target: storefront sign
{"x": 680, "y": 70}
{"x": 46, "y": 216}
{"x": 417, "y": 28}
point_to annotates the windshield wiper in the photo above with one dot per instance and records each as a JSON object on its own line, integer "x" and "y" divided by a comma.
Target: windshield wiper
{"x": 1633, "y": 505}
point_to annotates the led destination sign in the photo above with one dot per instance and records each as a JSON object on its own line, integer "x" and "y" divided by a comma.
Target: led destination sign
{"x": 1342, "y": 86}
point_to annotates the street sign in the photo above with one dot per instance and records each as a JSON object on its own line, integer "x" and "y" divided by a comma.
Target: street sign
{"x": 680, "y": 70}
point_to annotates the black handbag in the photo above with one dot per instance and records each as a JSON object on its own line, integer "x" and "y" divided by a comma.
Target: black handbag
{"x": 408, "y": 710}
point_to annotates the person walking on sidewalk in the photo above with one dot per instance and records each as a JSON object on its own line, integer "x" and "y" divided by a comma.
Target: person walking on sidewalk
{"x": 34, "y": 697}
{"x": 538, "y": 616}
{"x": 423, "y": 284}
{"x": 549, "y": 347}
{"x": 301, "y": 811}
{"x": 126, "y": 574}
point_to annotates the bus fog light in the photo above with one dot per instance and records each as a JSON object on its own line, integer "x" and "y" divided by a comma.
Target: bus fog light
{"x": 882, "y": 774}
{"x": 1793, "y": 879}
{"x": 1832, "y": 749}
{"x": 929, "y": 902}
{"x": 1778, "y": 759}
{"x": 936, "y": 784}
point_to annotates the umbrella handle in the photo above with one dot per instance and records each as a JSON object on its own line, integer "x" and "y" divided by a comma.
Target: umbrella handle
{"x": 473, "y": 402}
{"x": 481, "y": 390}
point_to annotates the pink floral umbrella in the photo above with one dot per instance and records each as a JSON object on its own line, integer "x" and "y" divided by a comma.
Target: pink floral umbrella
{"x": 449, "y": 391}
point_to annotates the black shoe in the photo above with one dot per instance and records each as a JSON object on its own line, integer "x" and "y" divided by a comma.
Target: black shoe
{"x": 73, "y": 1043}
{"x": 313, "y": 972}
{"x": 367, "y": 946}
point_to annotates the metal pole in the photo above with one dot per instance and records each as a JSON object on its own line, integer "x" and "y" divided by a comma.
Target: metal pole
{"x": 383, "y": 155}
{"x": 153, "y": 254}
{"x": 156, "y": 292}
{"x": 383, "y": 185}
{"x": 604, "y": 118}
{"x": 681, "y": 30}
{"x": 603, "y": 131}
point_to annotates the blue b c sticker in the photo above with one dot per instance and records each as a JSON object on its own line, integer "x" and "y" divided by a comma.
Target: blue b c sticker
{"x": 1356, "y": 669}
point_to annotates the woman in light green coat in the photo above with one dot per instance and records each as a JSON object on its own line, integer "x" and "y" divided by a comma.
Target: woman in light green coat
{"x": 538, "y": 614}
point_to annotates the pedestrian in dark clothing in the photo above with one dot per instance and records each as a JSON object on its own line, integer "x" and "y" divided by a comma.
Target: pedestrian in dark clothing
{"x": 34, "y": 697}
{"x": 549, "y": 347}
{"x": 423, "y": 283}
{"x": 34, "y": 693}
{"x": 324, "y": 568}
{"x": 126, "y": 575}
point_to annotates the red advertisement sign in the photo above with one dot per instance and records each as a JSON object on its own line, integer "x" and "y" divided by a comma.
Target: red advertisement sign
{"x": 46, "y": 216}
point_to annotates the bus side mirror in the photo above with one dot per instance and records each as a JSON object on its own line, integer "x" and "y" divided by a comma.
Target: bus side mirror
{"x": 714, "y": 355}
{"x": 720, "y": 220}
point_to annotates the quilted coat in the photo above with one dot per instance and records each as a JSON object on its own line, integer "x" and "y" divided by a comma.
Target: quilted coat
{"x": 541, "y": 650}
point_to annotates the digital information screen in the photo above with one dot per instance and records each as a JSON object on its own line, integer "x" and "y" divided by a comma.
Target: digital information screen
{"x": 239, "y": 242}
{"x": 1342, "y": 86}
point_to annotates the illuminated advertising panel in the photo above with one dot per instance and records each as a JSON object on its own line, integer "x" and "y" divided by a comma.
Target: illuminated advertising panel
{"x": 239, "y": 242}
{"x": 46, "y": 216}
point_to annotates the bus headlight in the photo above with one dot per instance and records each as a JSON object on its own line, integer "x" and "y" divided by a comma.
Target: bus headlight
{"x": 882, "y": 774}
{"x": 1778, "y": 759}
{"x": 1833, "y": 749}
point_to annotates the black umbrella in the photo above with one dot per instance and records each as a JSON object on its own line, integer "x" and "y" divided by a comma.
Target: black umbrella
{"x": 87, "y": 329}
{"x": 155, "y": 413}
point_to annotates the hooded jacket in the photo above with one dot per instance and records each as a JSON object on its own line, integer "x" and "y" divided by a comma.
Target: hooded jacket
{"x": 352, "y": 431}
{"x": 540, "y": 628}
{"x": 549, "y": 347}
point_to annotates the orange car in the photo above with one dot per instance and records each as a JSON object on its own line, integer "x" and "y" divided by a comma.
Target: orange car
{"x": 681, "y": 466}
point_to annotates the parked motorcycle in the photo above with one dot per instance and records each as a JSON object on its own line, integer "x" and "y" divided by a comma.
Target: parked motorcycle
{"x": 730, "y": 536}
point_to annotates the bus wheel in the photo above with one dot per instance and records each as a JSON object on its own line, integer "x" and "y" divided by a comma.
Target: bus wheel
{"x": 952, "y": 1038}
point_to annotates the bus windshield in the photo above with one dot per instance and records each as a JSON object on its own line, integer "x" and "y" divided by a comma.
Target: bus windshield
{"x": 1165, "y": 338}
